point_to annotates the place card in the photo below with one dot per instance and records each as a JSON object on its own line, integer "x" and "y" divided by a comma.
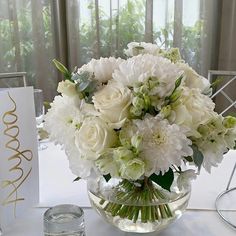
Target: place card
{"x": 19, "y": 175}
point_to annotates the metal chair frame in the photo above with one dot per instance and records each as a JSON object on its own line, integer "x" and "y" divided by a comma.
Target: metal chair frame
{"x": 212, "y": 73}
{"x": 15, "y": 75}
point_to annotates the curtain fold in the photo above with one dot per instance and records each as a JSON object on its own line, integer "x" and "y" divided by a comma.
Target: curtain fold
{"x": 227, "y": 52}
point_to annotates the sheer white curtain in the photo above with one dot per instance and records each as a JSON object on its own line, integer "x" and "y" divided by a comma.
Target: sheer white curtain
{"x": 32, "y": 33}
{"x": 103, "y": 28}
{"x": 27, "y": 42}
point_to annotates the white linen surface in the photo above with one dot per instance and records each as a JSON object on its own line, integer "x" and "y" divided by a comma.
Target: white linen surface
{"x": 57, "y": 186}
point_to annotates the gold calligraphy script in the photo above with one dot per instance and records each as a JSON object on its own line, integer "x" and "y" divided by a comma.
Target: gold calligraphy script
{"x": 12, "y": 131}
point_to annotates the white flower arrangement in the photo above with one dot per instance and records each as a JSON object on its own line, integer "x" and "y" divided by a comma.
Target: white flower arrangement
{"x": 139, "y": 118}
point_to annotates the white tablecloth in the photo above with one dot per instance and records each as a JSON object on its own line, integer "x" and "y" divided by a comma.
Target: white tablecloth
{"x": 57, "y": 187}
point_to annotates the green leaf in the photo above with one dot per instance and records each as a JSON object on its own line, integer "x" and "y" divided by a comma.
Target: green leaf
{"x": 76, "y": 179}
{"x": 197, "y": 157}
{"x": 107, "y": 177}
{"x": 165, "y": 181}
{"x": 189, "y": 159}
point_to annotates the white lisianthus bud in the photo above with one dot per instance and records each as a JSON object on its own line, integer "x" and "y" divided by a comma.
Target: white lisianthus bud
{"x": 94, "y": 137}
{"x": 67, "y": 88}
{"x": 113, "y": 102}
{"x": 133, "y": 169}
{"x": 165, "y": 111}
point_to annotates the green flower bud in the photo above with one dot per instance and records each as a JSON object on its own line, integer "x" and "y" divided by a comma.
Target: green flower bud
{"x": 136, "y": 111}
{"x": 138, "y": 102}
{"x": 173, "y": 54}
{"x": 144, "y": 89}
{"x": 174, "y": 96}
{"x": 229, "y": 122}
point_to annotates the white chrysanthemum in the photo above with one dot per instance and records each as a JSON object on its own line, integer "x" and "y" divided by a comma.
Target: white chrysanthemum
{"x": 141, "y": 67}
{"x": 62, "y": 119}
{"x": 191, "y": 110}
{"x": 163, "y": 145}
{"x": 193, "y": 79}
{"x": 135, "y": 48}
{"x": 65, "y": 117}
{"x": 102, "y": 68}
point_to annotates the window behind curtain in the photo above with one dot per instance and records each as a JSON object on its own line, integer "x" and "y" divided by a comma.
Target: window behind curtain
{"x": 26, "y": 42}
{"x": 98, "y": 28}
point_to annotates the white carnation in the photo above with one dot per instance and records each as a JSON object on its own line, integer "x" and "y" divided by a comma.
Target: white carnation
{"x": 102, "y": 68}
{"x": 162, "y": 146}
{"x": 139, "y": 68}
{"x": 135, "y": 48}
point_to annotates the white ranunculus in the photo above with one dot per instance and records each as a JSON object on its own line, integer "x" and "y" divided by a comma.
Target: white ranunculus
{"x": 61, "y": 122}
{"x": 102, "y": 68}
{"x": 135, "y": 48}
{"x": 193, "y": 79}
{"x": 94, "y": 137}
{"x": 133, "y": 169}
{"x": 67, "y": 88}
{"x": 113, "y": 101}
{"x": 191, "y": 110}
{"x": 139, "y": 68}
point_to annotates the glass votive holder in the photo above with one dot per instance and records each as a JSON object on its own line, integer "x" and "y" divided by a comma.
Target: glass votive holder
{"x": 64, "y": 220}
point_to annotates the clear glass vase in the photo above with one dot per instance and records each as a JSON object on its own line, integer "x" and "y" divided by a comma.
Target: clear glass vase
{"x": 141, "y": 206}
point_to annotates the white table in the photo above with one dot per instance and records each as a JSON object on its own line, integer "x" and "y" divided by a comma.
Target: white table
{"x": 56, "y": 187}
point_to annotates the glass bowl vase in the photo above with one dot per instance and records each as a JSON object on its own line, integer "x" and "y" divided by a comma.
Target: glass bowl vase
{"x": 137, "y": 206}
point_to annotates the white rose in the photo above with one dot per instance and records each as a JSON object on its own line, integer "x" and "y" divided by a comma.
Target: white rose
{"x": 113, "y": 102}
{"x": 67, "y": 88}
{"x": 94, "y": 137}
{"x": 191, "y": 110}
